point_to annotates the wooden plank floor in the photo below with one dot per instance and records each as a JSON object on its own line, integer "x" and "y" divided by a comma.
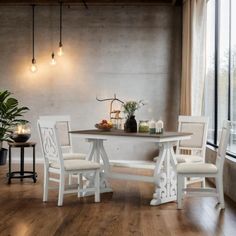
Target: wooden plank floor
{"x": 125, "y": 212}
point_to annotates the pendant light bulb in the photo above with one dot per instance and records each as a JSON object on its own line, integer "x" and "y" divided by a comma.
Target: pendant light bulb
{"x": 33, "y": 67}
{"x": 60, "y": 51}
{"x": 53, "y": 61}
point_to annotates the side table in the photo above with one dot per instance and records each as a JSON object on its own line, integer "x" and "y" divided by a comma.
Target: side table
{"x": 22, "y": 173}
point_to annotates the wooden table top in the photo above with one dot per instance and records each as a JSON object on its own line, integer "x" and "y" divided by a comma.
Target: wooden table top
{"x": 125, "y": 134}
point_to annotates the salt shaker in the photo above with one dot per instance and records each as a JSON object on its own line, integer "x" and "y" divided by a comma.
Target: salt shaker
{"x": 159, "y": 127}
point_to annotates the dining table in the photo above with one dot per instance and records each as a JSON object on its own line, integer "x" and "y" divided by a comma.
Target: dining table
{"x": 164, "y": 172}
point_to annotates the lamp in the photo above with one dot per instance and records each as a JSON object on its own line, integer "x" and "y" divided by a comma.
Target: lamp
{"x": 33, "y": 67}
{"x": 60, "y": 51}
{"x": 53, "y": 61}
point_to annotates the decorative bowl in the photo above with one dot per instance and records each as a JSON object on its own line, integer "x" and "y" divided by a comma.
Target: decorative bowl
{"x": 20, "y": 138}
{"x": 102, "y": 127}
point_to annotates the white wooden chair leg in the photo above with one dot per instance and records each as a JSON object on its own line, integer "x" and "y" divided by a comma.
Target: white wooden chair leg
{"x": 80, "y": 183}
{"x": 61, "y": 191}
{"x": 180, "y": 184}
{"x": 203, "y": 183}
{"x": 217, "y": 189}
{"x": 185, "y": 182}
{"x": 70, "y": 179}
{"x": 97, "y": 186}
{"x": 220, "y": 190}
{"x": 45, "y": 184}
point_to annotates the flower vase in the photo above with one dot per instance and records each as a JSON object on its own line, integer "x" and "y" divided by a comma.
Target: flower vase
{"x": 130, "y": 125}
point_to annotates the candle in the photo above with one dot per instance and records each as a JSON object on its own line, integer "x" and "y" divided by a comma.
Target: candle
{"x": 20, "y": 130}
{"x": 159, "y": 127}
{"x": 152, "y": 127}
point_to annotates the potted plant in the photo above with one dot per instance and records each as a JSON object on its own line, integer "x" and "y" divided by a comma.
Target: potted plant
{"x": 10, "y": 116}
{"x": 129, "y": 108}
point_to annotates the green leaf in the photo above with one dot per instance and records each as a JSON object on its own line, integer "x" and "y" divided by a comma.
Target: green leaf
{"x": 11, "y": 102}
{"x": 10, "y": 114}
{"x": 23, "y": 109}
{"x": 4, "y": 95}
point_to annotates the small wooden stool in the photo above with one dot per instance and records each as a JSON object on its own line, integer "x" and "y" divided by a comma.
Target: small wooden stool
{"x": 22, "y": 173}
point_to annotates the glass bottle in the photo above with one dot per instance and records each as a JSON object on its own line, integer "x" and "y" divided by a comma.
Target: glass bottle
{"x": 159, "y": 127}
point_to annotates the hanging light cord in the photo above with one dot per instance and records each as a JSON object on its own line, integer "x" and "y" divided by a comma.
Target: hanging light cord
{"x": 33, "y": 59}
{"x": 60, "y": 43}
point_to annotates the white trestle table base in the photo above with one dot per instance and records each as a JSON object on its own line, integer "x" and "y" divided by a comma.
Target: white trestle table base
{"x": 164, "y": 175}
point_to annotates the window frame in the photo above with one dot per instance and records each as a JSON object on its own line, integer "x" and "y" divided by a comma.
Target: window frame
{"x": 216, "y": 72}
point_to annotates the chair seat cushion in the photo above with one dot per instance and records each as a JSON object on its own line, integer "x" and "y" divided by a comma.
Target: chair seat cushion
{"x": 76, "y": 165}
{"x": 196, "y": 168}
{"x": 181, "y": 158}
{"x": 72, "y": 156}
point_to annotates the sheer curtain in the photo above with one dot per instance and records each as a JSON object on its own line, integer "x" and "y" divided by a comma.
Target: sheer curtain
{"x": 193, "y": 57}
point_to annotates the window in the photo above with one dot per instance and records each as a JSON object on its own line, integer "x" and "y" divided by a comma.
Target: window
{"x": 223, "y": 63}
{"x": 220, "y": 83}
{"x": 232, "y": 147}
{"x": 209, "y": 96}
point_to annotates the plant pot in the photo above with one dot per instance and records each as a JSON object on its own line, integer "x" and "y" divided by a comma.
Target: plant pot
{"x": 3, "y": 156}
{"x": 130, "y": 125}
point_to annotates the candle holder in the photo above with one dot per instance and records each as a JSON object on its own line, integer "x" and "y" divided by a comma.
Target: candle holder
{"x": 21, "y": 133}
{"x": 143, "y": 126}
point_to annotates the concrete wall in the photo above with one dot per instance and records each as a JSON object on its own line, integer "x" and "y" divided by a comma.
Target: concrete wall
{"x": 133, "y": 51}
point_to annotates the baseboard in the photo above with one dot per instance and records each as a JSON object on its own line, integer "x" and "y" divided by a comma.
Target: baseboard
{"x": 27, "y": 160}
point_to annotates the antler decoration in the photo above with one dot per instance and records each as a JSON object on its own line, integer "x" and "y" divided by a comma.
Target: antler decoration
{"x": 110, "y": 99}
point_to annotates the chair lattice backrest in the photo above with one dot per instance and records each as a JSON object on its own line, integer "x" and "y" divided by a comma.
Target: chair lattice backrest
{"x": 63, "y": 128}
{"x": 197, "y": 125}
{"x": 224, "y": 140}
{"x": 49, "y": 141}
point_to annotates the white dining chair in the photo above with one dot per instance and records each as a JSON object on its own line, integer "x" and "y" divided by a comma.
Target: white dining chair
{"x": 54, "y": 163}
{"x": 207, "y": 170}
{"x": 194, "y": 149}
{"x": 63, "y": 127}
